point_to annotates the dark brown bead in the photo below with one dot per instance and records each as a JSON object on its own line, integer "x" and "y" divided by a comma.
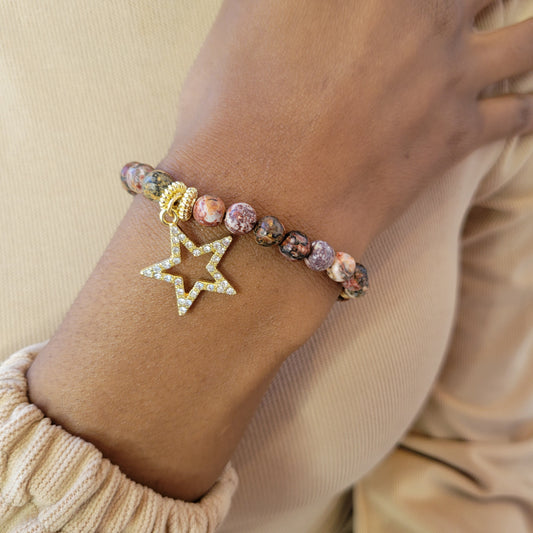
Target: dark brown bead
{"x": 269, "y": 231}
{"x": 295, "y": 246}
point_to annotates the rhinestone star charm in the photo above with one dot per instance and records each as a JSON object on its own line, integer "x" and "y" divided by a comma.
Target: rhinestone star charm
{"x": 218, "y": 284}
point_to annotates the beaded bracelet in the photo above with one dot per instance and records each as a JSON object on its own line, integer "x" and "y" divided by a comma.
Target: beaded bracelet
{"x": 178, "y": 203}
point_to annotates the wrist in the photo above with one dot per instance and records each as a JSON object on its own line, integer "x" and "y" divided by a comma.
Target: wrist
{"x": 236, "y": 175}
{"x": 123, "y": 345}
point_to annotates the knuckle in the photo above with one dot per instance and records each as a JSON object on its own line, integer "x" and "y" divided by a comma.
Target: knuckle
{"x": 478, "y": 128}
{"x": 446, "y": 15}
{"x": 457, "y": 77}
{"x": 457, "y": 139}
{"x": 465, "y": 131}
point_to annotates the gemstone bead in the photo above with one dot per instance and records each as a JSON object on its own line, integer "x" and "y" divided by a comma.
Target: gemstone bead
{"x": 343, "y": 267}
{"x": 155, "y": 183}
{"x": 321, "y": 257}
{"x": 240, "y": 218}
{"x": 357, "y": 285}
{"x": 268, "y": 231}
{"x": 132, "y": 176}
{"x": 209, "y": 210}
{"x": 295, "y": 246}
{"x": 124, "y": 173}
{"x": 136, "y": 175}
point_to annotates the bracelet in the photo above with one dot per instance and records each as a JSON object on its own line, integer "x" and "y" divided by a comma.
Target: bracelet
{"x": 180, "y": 203}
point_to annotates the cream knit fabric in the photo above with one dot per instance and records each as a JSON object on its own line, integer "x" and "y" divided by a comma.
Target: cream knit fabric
{"x": 443, "y": 343}
{"x": 53, "y": 481}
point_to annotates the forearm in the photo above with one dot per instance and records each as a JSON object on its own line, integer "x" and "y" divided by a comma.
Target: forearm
{"x": 167, "y": 398}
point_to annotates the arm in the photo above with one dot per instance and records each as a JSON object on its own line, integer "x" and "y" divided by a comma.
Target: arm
{"x": 289, "y": 146}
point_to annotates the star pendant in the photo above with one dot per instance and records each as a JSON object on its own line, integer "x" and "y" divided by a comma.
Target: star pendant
{"x": 218, "y": 284}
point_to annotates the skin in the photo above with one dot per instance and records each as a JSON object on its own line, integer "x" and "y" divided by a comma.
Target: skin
{"x": 333, "y": 118}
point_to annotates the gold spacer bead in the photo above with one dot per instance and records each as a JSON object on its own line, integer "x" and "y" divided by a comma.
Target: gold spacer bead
{"x": 171, "y": 195}
{"x": 186, "y": 203}
{"x": 343, "y": 296}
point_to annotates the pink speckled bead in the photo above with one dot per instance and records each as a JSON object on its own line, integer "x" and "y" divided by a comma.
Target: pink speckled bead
{"x": 240, "y": 218}
{"x": 321, "y": 257}
{"x": 124, "y": 173}
{"x": 343, "y": 267}
{"x": 132, "y": 176}
{"x": 209, "y": 210}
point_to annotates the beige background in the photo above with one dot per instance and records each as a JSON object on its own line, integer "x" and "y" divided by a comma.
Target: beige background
{"x": 84, "y": 90}
{"x": 76, "y": 103}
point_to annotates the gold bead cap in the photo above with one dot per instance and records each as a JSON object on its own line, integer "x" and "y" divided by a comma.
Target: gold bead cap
{"x": 171, "y": 195}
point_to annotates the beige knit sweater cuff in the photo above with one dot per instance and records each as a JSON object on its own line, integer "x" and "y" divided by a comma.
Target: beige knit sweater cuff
{"x": 53, "y": 481}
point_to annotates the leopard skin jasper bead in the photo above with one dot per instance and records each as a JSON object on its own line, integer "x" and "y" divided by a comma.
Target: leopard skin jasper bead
{"x": 124, "y": 174}
{"x": 240, "y": 218}
{"x": 343, "y": 267}
{"x": 135, "y": 176}
{"x": 295, "y": 246}
{"x": 155, "y": 183}
{"x": 209, "y": 210}
{"x": 357, "y": 285}
{"x": 269, "y": 231}
{"x": 321, "y": 257}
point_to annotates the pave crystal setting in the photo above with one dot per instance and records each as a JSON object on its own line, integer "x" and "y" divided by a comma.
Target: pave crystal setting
{"x": 219, "y": 284}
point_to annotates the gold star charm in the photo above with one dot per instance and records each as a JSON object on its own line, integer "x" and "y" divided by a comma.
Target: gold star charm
{"x": 218, "y": 284}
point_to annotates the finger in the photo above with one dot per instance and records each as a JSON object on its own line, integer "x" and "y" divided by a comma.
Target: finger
{"x": 505, "y": 116}
{"x": 503, "y": 53}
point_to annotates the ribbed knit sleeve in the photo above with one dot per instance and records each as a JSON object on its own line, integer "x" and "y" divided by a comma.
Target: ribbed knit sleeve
{"x": 53, "y": 481}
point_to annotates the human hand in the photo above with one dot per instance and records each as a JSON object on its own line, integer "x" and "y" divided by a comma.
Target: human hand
{"x": 336, "y": 114}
